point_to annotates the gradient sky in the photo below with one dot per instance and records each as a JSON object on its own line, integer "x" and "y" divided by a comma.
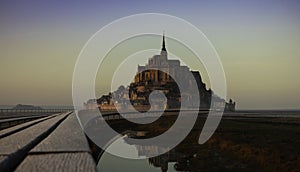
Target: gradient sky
{"x": 258, "y": 42}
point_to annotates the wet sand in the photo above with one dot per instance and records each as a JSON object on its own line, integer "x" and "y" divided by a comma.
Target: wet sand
{"x": 243, "y": 141}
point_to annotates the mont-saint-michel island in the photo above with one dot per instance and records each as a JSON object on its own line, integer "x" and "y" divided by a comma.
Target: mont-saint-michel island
{"x": 98, "y": 86}
{"x": 160, "y": 74}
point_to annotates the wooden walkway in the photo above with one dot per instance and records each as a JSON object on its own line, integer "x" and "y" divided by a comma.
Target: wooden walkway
{"x": 52, "y": 143}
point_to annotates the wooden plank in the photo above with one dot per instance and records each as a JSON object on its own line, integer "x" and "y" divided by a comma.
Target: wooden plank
{"x": 17, "y": 146}
{"x": 67, "y": 137}
{"x": 12, "y": 130}
{"x": 74, "y": 162}
{"x": 13, "y": 143}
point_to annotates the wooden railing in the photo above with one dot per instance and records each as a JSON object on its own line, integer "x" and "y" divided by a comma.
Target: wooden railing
{"x": 52, "y": 110}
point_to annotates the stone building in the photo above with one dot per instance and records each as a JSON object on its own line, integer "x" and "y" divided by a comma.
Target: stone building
{"x": 163, "y": 75}
{"x": 160, "y": 69}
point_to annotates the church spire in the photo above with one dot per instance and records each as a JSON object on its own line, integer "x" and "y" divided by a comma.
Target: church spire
{"x": 163, "y": 52}
{"x": 163, "y": 43}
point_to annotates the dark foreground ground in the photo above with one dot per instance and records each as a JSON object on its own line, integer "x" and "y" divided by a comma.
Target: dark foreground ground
{"x": 240, "y": 143}
{"x": 260, "y": 144}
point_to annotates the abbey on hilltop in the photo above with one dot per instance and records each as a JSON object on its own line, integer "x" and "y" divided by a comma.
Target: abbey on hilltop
{"x": 159, "y": 74}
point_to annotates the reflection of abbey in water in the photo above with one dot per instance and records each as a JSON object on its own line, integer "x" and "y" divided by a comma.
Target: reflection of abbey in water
{"x": 186, "y": 156}
{"x": 163, "y": 75}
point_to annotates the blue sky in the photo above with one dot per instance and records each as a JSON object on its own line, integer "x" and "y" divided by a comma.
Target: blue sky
{"x": 258, "y": 42}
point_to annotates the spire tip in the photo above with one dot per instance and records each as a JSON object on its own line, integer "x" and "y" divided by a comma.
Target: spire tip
{"x": 164, "y": 44}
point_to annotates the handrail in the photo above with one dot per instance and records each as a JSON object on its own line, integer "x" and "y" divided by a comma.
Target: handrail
{"x": 34, "y": 110}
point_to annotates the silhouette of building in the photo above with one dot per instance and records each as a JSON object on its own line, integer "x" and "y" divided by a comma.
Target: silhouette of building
{"x": 160, "y": 70}
{"x": 163, "y": 74}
